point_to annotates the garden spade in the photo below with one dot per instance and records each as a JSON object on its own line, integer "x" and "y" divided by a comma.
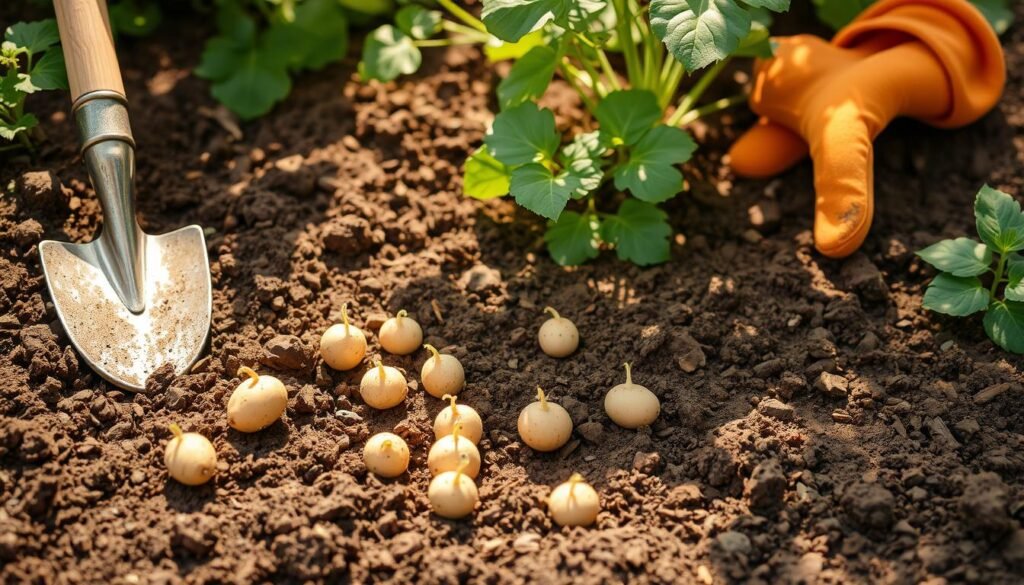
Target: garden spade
{"x": 129, "y": 301}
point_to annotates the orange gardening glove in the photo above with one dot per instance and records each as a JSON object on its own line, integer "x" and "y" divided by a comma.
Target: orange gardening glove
{"x": 934, "y": 60}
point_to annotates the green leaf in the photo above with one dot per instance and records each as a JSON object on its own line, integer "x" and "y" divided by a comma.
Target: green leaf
{"x": 639, "y": 232}
{"x": 649, "y": 173}
{"x": 388, "y": 53}
{"x": 35, "y": 36}
{"x": 573, "y": 239}
{"x": 839, "y": 13}
{"x": 955, "y": 295}
{"x": 997, "y": 12}
{"x": 959, "y": 257}
{"x": 581, "y": 158}
{"x": 484, "y": 177}
{"x": 135, "y": 18}
{"x": 318, "y": 35}
{"x": 254, "y": 87}
{"x": 1015, "y": 278}
{"x": 757, "y": 43}
{"x": 235, "y": 24}
{"x": 536, "y": 188}
{"x": 625, "y": 115}
{"x": 699, "y": 32}
{"x": 373, "y": 7}
{"x": 25, "y": 85}
{"x": 528, "y": 78}
{"x": 49, "y": 72}
{"x": 999, "y": 220}
{"x": 418, "y": 22}
{"x": 10, "y": 95}
{"x": 24, "y": 122}
{"x": 580, "y": 14}
{"x": 499, "y": 50}
{"x": 523, "y": 134}
{"x": 511, "y": 20}
{"x": 773, "y": 5}
{"x": 1004, "y": 323}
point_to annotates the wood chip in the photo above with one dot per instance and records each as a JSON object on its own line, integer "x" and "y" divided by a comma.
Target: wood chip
{"x": 989, "y": 394}
{"x": 842, "y": 417}
{"x": 224, "y": 118}
{"x": 436, "y": 306}
{"x": 941, "y": 431}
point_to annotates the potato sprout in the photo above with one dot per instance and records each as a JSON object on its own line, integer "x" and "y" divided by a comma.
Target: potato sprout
{"x": 343, "y": 346}
{"x": 257, "y": 402}
{"x": 383, "y": 387}
{"x": 401, "y": 334}
{"x": 558, "y": 336}
{"x": 574, "y": 503}
{"x": 453, "y": 494}
{"x": 543, "y": 425}
{"x": 442, "y": 374}
{"x": 631, "y": 405}
{"x": 447, "y": 453}
{"x": 190, "y": 457}
{"x": 444, "y": 423}
{"x": 386, "y": 455}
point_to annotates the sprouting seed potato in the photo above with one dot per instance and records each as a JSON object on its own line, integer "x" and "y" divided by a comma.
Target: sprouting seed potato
{"x": 257, "y": 402}
{"x": 543, "y": 425}
{"x": 190, "y": 457}
{"x": 401, "y": 334}
{"x": 383, "y": 387}
{"x": 444, "y": 422}
{"x": 631, "y": 405}
{"x": 453, "y": 494}
{"x": 449, "y": 452}
{"x": 342, "y": 345}
{"x": 442, "y": 374}
{"x": 558, "y": 336}
{"x": 574, "y": 503}
{"x": 386, "y": 454}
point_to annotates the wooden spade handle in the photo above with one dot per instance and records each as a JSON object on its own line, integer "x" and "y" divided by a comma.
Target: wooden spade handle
{"x": 88, "y": 46}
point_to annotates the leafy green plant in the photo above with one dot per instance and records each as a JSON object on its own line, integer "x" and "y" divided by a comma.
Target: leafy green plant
{"x": 631, "y": 139}
{"x": 30, "y": 60}
{"x": 984, "y": 276}
{"x": 839, "y": 13}
{"x": 261, "y": 42}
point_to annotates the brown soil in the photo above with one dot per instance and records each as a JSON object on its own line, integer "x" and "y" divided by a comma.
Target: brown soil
{"x": 817, "y": 426}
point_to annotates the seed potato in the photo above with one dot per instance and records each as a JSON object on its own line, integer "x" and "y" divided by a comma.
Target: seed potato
{"x": 543, "y": 425}
{"x": 631, "y": 405}
{"x": 342, "y": 345}
{"x": 383, "y": 387}
{"x": 558, "y": 336}
{"x": 190, "y": 457}
{"x": 574, "y": 503}
{"x": 257, "y": 402}
{"x": 386, "y": 455}
{"x": 448, "y": 453}
{"x": 444, "y": 422}
{"x": 401, "y": 334}
{"x": 453, "y": 494}
{"x": 442, "y": 374}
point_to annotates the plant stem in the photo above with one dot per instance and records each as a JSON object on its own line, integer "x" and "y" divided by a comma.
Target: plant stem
{"x": 468, "y": 31}
{"x": 672, "y": 75}
{"x": 445, "y": 42}
{"x": 696, "y": 91}
{"x": 463, "y": 15}
{"x": 708, "y": 109}
{"x": 625, "y": 30}
{"x": 571, "y": 74}
{"x": 999, "y": 276}
{"x": 609, "y": 71}
{"x": 598, "y": 86}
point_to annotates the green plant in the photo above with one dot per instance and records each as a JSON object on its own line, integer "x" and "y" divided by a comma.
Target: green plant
{"x": 261, "y": 42}
{"x": 30, "y": 61}
{"x": 838, "y": 13}
{"x": 631, "y": 140}
{"x": 984, "y": 276}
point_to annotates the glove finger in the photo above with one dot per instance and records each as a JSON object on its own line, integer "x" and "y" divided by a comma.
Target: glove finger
{"x": 766, "y": 150}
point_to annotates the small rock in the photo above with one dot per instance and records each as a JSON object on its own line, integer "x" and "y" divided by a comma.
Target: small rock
{"x": 375, "y": 320}
{"x": 776, "y": 409}
{"x": 769, "y": 368}
{"x": 864, "y": 278}
{"x": 869, "y": 505}
{"x": 480, "y": 278}
{"x": 287, "y": 352}
{"x": 831, "y": 384}
{"x": 733, "y": 543}
{"x": 690, "y": 355}
{"x": 765, "y": 215}
{"x": 348, "y": 417}
{"x": 869, "y": 342}
{"x": 646, "y": 462}
{"x": 305, "y": 400}
{"x": 592, "y": 432}
{"x": 984, "y": 505}
{"x": 348, "y": 234}
{"x": 159, "y": 380}
{"x": 766, "y": 487}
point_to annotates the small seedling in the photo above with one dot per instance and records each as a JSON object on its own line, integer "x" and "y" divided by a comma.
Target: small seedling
{"x": 444, "y": 423}
{"x": 190, "y": 457}
{"x": 631, "y": 405}
{"x": 342, "y": 345}
{"x": 544, "y": 425}
{"x": 383, "y": 387}
{"x": 985, "y": 276}
{"x": 257, "y": 402}
{"x": 386, "y": 454}
{"x": 558, "y": 336}
{"x": 574, "y": 503}
{"x": 30, "y": 61}
{"x": 442, "y": 374}
{"x": 448, "y": 452}
{"x": 453, "y": 494}
{"x": 401, "y": 334}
